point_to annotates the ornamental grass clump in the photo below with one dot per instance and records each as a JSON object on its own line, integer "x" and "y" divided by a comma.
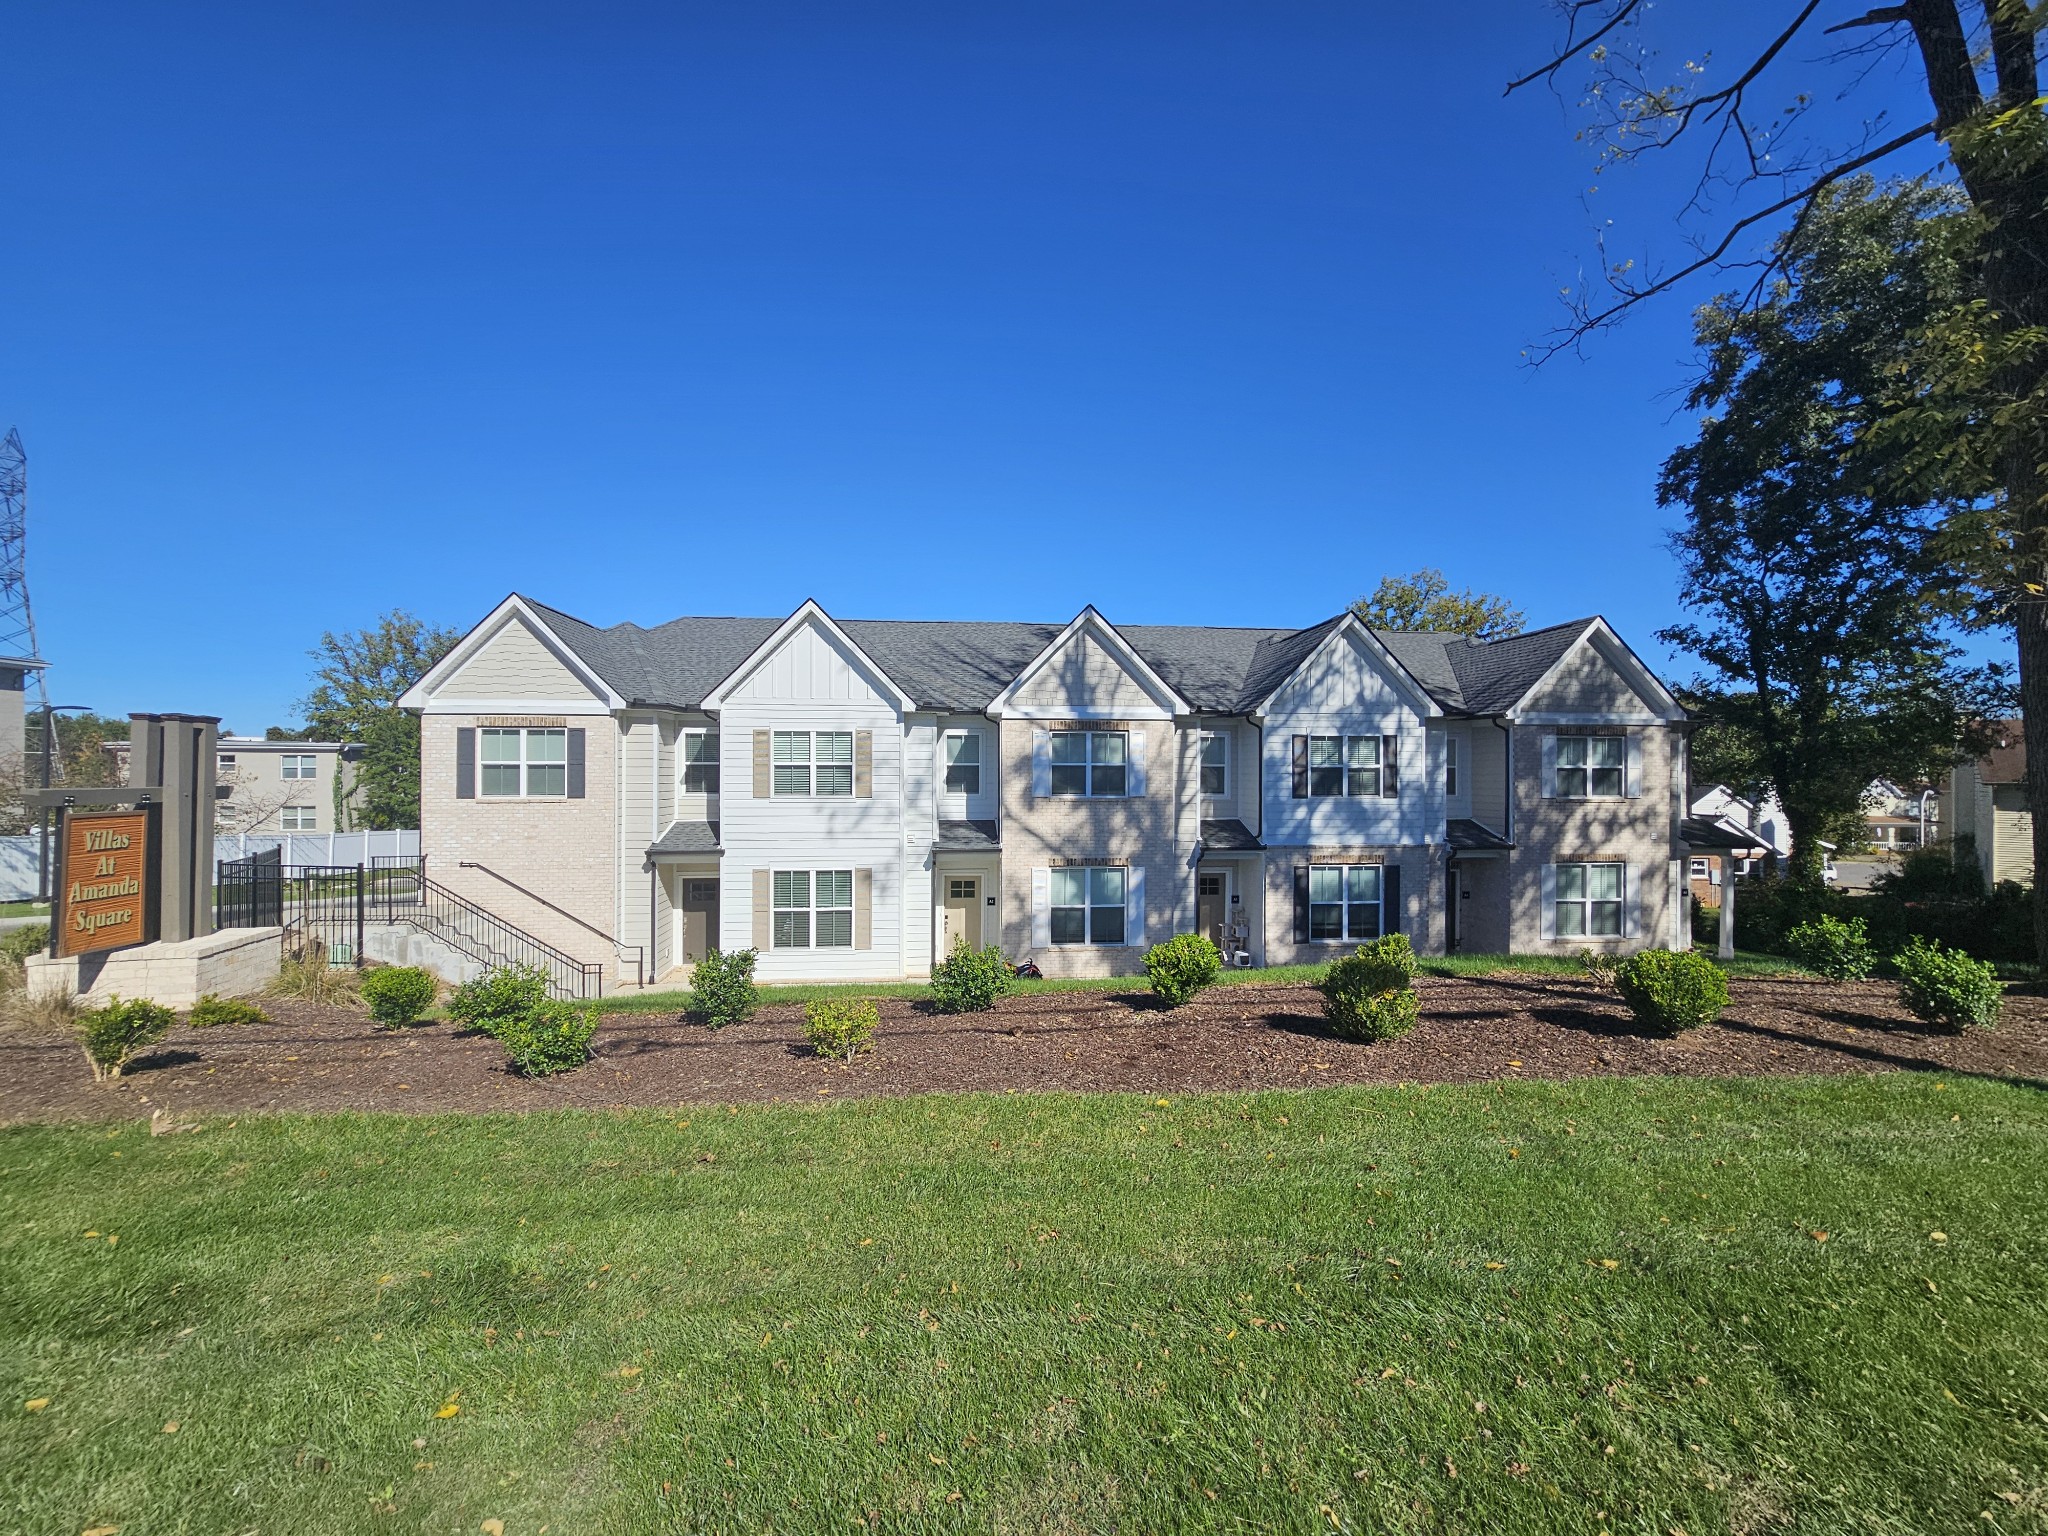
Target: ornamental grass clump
{"x": 1946, "y": 988}
{"x": 212, "y": 1011}
{"x": 497, "y": 997}
{"x": 971, "y": 980}
{"x": 399, "y": 995}
{"x": 1833, "y": 947}
{"x": 1370, "y": 995}
{"x": 722, "y": 988}
{"x": 1672, "y": 990}
{"x": 550, "y": 1037}
{"x": 116, "y": 1034}
{"x": 1182, "y": 966}
{"x": 307, "y": 976}
{"x": 841, "y": 1027}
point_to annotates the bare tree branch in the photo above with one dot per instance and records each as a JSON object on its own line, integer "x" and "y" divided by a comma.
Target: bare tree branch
{"x": 1573, "y": 47}
{"x": 1883, "y": 16}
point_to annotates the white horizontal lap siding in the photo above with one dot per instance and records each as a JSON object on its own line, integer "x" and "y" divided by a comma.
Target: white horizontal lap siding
{"x": 957, "y": 807}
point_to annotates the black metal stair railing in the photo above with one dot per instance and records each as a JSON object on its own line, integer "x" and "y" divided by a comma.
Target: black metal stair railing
{"x": 407, "y": 896}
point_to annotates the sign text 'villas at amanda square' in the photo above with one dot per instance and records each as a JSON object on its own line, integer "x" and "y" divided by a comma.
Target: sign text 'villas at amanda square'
{"x": 105, "y": 884}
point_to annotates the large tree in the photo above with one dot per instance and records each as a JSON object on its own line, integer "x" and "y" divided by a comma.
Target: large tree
{"x": 1423, "y": 602}
{"x": 359, "y": 677}
{"x": 1811, "y": 558}
{"x": 1753, "y": 164}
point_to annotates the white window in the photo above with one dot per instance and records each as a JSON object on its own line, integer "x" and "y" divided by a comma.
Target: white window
{"x": 963, "y": 762}
{"x": 225, "y": 763}
{"x": 299, "y": 818}
{"x": 1589, "y": 900}
{"x": 1590, "y": 767}
{"x": 813, "y": 762}
{"x": 297, "y": 765}
{"x": 1215, "y": 765}
{"x": 1701, "y": 868}
{"x": 1093, "y": 763}
{"x": 1088, "y": 905}
{"x": 1343, "y": 903}
{"x": 1343, "y": 765}
{"x": 524, "y": 762}
{"x": 700, "y": 762}
{"x": 1451, "y": 766}
{"x": 813, "y": 909}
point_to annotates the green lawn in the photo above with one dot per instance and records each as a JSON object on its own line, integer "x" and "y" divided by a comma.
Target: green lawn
{"x": 1502, "y": 1309}
{"x": 24, "y": 909}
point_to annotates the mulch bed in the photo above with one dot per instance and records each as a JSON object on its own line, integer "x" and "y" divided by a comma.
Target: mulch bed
{"x": 1234, "y": 1037}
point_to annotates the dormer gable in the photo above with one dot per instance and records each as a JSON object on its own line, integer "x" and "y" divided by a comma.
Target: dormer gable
{"x": 1089, "y": 672}
{"x": 809, "y": 658}
{"x": 1598, "y": 678}
{"x": 511, "y": 657}
{"x": 1347, "y": 670}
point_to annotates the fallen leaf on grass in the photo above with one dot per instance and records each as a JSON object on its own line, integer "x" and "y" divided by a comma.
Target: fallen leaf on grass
{"x": 492, "y": 1527}
{"x": 171, "y": 1427}
{"x": 1606, "y": 1263}
{"x": 1937, "y": 1237}
{"x": 1818, "y": 1237}
{"x": 101, "y": 1530}
{"x": 1495, "y": 1264}
{"x": 36, "y": 1405}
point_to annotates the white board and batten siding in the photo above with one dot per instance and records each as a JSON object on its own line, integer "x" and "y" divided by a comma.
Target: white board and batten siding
{"x": 811, "y": 682}
{"x": 1343, "y": 691}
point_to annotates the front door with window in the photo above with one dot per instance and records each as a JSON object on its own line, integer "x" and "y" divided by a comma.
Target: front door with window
{"x": 1210, "y": 908}
{"x": 699, "y": 913}
{"x": 962, "y": 912}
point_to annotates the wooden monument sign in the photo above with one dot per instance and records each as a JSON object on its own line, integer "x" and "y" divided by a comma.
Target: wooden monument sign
{"x": 106, "y": 893}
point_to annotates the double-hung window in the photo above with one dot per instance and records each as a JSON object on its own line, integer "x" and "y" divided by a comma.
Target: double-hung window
{"x": 813, "y": 908}
{"x": 1590, "y": 767}
{"x": 1451, "y": 766}
{"x": 299, "y": 765}
{"x": 1088, "y": 905}
{"x": 1215, "y": 765}
{"x": 813, "y": 762}
{"x": 299, "y": 818}
{"x": 1589, "y": 900}
{"x": 1094, "y": 763}
{"x": 700, "y": 762}
{"x": 1344, "y": 766}
{"x": 1343, "y": 903}
{"x": 524, "y": 761}
{"x": 963, "y": 762}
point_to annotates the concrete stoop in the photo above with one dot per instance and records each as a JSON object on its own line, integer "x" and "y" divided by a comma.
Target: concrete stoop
{"x": 403, "y": 944}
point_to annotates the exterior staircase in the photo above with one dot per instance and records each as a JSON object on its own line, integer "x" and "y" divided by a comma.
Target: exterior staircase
{"x": 416, "y": 921}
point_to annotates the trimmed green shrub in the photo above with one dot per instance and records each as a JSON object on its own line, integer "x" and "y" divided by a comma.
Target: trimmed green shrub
{"x": 841, "y": 1027}
{"x": 970, "y": 980}
{"x": 1182, "y": 966}
{"x": 1368, "y": 995}
{"x": 19, "y": 943}
{"x": 1672, "y": 990}
{"x": 552, "y": 1036}
{"x": 114, "y": 1035}
{"x": 1835, "y": 947}
{"x": 211, "y": 1011}
{"x": 399, "y": 995}
{"x": 1946, "y": 988}
{"x": 722, "y": 987}
{"x": 510, "y": 992}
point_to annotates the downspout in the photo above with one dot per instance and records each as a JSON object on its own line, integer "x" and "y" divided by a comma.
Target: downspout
{"x": 1507, "y": 777}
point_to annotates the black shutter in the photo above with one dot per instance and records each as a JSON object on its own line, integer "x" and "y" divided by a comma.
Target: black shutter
{"x": 1301, "y": 767}
{"x": 576, "y": 765}
{"x": 1390, "y": 766}
{"x": 1300, "y": 900}
{"x": 465, "y": 763}
{"x": 1390, "y": 898}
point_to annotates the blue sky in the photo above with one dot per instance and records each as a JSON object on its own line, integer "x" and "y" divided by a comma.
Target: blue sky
{"x": 1200, "y": 313}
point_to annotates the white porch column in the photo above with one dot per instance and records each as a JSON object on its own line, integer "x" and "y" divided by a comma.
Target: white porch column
{"x": 1727, "y": 906}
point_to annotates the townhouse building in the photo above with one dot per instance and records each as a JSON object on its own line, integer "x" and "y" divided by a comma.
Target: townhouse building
{"x": 851, "y": 797}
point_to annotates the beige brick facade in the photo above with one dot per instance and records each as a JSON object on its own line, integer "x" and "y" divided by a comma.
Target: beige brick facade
{"x": 1422, "y": 899}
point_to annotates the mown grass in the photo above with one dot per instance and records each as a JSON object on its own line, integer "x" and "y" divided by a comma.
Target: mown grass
{"x": 678, "y": 1000}
{"x": 1624, "y": 1305}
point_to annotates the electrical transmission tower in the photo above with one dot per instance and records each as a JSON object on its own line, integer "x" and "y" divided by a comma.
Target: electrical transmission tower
{"x": 17, "y": 620}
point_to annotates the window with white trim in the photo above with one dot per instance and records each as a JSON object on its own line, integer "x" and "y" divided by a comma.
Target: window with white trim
{"x": 1092, "y": 763}
{"x": 813, "y": 908}
{"x": 523, "y": 761}
{"x": 963, "y": 762}
{"x": 700, "y": 762}
{"x": 1591, "y": 767}
{"x": 1215, "y": 764}
{"x": 1344, "y": 903}
{"x": 1589, "y": 900}
{"x": 225, "y": 763}
{"x": 299, "y": 765}
{"x": 1088, "y": 905}
{"x": 813, "y": 762}
{"x": 299, "y": 818}
{"x": 1702, "y": 868}
{"x": 1341, "y": 766}
{"x": 1451, "y": 766}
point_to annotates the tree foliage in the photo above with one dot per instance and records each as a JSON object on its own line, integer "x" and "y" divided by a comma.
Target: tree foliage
{"x": 357, "y": 681}
{"x": 1812, "y": 558}
{"x": 1424, "y": 603}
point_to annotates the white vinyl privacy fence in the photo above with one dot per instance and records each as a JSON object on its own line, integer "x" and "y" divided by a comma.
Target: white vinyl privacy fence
{"x": 19, "y": 869}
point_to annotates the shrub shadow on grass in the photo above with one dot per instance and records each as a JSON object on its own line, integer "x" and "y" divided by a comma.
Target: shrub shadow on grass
{"x": 1586, "y": 1022}
{"x": 1877, "y": 1024}
{"x": 1312, "y": 1025}
{"x": 157, "y": 1061}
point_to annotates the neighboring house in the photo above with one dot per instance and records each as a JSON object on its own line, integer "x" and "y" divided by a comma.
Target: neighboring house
{"x": 1984, "y": 808}
{"x": 274, "y": 786}
{"x": 850, "y": 797}
{"x": 1897, "y": 818}
{"x": 1762, "y": 819}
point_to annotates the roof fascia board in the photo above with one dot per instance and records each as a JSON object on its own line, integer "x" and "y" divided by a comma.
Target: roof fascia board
{"x": 809, "y": 611}
{"x": 1404, "y": 680}
{"x": 1126, "y": 655}
{"x": 1663, "y": 708}
{"x": 420, "y": 695}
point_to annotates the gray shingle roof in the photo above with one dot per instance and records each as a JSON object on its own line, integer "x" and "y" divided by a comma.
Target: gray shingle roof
{"x": 1229, "y": 836}
{"x": 687, "y": 837}
{"x": 961, "y": 665}
{"x": 967, "y": 837}
{"x": 1473, "y": 836}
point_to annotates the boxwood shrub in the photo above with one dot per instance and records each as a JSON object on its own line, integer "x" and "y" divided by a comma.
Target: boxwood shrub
{"x": 1946, "y": 988}
{"x": 970, "y": 980}
{"x": 116, "y": 1034}
{"x": 1672, "y": 990}
{"x": 1370, "y": 995}
{"x": 1835, "y": 947}
{"x": 1182, "y": 966}
{"x": 552, "y": 1036}
{"x": 399, "y": 995}
{"x": 722, "y": 987}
